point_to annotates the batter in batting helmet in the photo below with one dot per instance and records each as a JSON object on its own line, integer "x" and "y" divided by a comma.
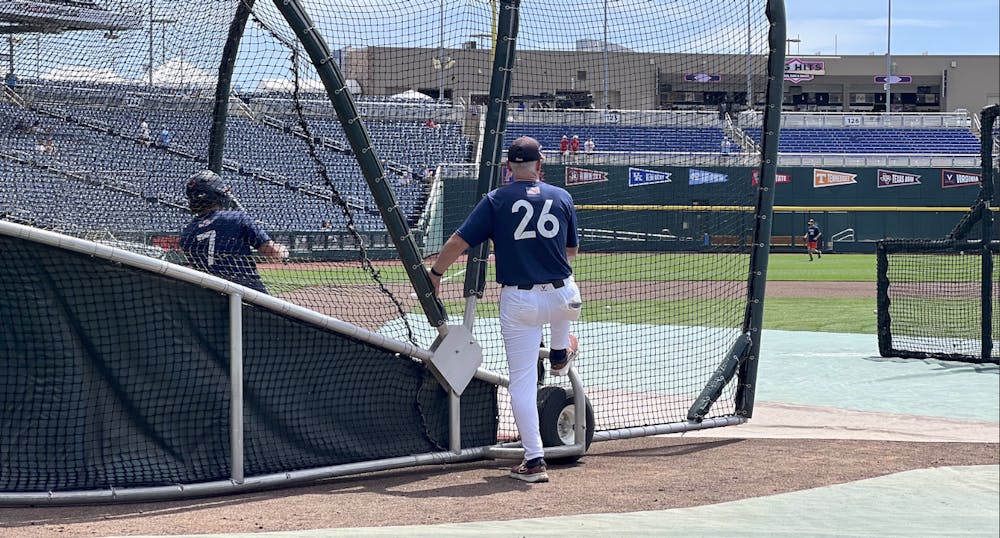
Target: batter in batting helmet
{"x": 205, "y": 190}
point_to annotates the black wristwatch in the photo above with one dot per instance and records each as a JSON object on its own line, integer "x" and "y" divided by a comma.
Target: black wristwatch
{"x": 435, "y": 273}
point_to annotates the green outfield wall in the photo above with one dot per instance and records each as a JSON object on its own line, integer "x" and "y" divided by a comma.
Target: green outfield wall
{"x": 872, "y": 203}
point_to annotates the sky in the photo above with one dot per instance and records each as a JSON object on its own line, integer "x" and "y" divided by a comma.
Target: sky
{"x": 937, "y": 27}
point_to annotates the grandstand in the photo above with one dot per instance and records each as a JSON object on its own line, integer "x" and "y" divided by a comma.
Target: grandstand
{"x": 912, "y": 133}
{"x": 94, "y": 128}
{"x": 130, "y": 186}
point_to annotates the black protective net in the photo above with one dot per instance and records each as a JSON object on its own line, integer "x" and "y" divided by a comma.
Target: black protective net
{"x": 931, "y": 301}
{"x": 937, "y": 298}
{"x": 102, "y": 127}
{"x": 112, "y": 376}
{"x": 637, "y": 113}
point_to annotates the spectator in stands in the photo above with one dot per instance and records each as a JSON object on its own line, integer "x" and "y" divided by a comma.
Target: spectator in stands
{"x": 325, "y": 225}
{"x": 589, "y": 145}
{"x": 812, "y": 237}
{"x": 430, "y": 124}
{"x": 10, "y": 79}
{"x": 50, "y": 146}
{"x": 145, "y": 136}
{"x": 164, "y": 140}
{"x": 574, "y": 147}
{"x": 219, "y": 238}
{"x": 21, "y": 127}
{"x": 40, "y": 147}
{"x": 727, "y": 145}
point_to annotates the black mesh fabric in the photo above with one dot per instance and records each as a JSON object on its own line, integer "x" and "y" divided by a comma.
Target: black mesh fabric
{"x": 931, "y": 300}
{"x": 112, "y": 376}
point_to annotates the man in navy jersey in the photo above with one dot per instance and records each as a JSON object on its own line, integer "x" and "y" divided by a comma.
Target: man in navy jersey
{"x": 218, "y": 239}
{"x": 534, "y": 232}
{"x": 812, "y": 237}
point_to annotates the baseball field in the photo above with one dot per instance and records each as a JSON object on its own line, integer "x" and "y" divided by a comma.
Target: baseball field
{"x": 791, "y": 446}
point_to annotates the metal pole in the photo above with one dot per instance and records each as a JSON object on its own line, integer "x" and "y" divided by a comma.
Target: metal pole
{"x": 217, "y": 133}
{"x": 441, "y": 52}
{"x": 150, "y": 43}
{"x": 754, "y": 319}
{"x": 749, "y": 49}
{"x": 491, "y": 154}
{"x": 236, "y": 471}
{"x": 888, "y": 61}
{"x": 605, "y": 47}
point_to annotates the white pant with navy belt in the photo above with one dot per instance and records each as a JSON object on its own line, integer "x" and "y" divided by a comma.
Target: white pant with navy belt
{"x": 523, "y": 313}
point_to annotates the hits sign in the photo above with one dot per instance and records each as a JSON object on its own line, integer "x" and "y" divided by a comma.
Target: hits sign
{"x": 797, "y": 69}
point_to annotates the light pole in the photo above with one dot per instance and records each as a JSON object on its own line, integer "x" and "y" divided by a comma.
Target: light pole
{"x": 888, "y": 61}
{"x": 441, "y": 53}
{"x": 749, "y": 49}
{"x": 150, "y": 44}
{"x": 163, "y": 37}
{"x": 604, "y": 47}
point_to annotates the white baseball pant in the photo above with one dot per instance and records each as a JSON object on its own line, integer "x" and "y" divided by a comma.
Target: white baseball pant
{"x": 523, "y": 313}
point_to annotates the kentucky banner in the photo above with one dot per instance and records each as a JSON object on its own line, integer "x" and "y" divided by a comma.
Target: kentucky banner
{"x": 638, "y": 177}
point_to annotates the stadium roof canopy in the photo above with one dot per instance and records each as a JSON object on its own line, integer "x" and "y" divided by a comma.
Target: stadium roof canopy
{"x": 56, "y": 16}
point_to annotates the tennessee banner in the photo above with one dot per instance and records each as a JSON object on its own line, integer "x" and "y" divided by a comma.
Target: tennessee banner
{"x": 831, "y": 178}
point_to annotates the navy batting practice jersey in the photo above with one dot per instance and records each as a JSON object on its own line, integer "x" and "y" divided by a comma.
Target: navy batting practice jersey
{"x": 531, "y": 224}
{"x": 812, "y": 233}
{"x": 219, "y": 243}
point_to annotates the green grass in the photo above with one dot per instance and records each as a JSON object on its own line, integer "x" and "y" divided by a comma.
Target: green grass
{"x": 821, "y": 315}
{"x": 832, "y": 267}
{"x": 324, "y": 275}
{"x": 812, "y": 315}
{"x": 841, "y": 315}
{"x": 683, "y": 266}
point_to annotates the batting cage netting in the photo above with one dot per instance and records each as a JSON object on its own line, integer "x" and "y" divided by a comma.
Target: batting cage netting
{"x": 358, "y": 135}
{"x": 936, "y": 298}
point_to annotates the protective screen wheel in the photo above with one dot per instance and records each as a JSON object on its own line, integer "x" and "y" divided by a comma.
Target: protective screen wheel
{"x": 557, "y": 419}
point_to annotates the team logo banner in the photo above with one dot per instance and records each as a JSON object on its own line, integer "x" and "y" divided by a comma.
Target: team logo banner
{"x": 832, "y": 178}
{"x": 888, "y": 178}
{"x": 702, "y": 177}
{"x": 778, "y": 177}
{"x": 581, "y": 176}
{"x": 702, "y": 77}
{"x": 638, "y": 177}
{"x": 954, "y": 178}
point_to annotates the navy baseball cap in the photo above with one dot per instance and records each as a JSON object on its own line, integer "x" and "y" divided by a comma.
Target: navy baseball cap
{"x": 524, "y": 149}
